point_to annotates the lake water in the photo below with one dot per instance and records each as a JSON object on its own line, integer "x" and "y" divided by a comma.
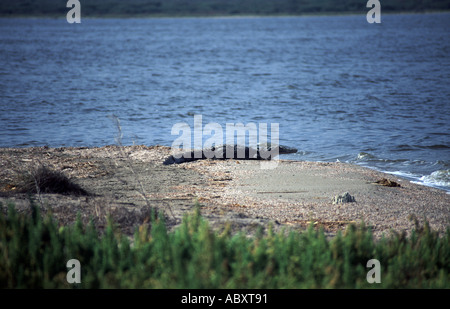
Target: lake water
{"x": 339, "y": 87}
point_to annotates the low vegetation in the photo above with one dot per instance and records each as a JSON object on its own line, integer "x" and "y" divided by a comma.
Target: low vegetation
{"x": 43, "y": 179}
{"x": 34, "y": 251}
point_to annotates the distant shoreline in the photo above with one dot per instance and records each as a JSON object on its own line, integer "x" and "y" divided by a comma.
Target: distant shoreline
{"x": 229, "y": 16}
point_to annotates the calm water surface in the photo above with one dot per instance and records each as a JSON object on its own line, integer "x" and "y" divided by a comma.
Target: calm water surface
{"x": 340, "y": 88}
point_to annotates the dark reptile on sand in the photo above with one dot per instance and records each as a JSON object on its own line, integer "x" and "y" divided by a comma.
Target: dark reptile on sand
{"x": 230, "y": 152}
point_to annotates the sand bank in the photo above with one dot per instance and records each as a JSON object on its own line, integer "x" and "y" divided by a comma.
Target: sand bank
{"x": 126, "y": 182}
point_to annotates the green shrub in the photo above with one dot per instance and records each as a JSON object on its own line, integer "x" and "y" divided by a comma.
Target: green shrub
{"x": 34, "y": 252}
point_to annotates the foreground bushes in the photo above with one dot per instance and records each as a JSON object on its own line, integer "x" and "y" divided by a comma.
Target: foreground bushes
{"x": 34, "y": 253}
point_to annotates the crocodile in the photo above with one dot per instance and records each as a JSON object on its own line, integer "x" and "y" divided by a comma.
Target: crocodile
{"x": 223, "y": 152}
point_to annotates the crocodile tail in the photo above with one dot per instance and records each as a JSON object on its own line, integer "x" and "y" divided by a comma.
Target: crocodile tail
{"x": 169, "y": 160}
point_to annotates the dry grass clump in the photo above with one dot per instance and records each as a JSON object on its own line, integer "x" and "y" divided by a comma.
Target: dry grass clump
{"x": 42, "y": 179}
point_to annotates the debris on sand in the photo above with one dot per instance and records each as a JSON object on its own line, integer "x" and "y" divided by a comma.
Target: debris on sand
{"x": 343, "y": 198}
{"x": 387, "y": 183}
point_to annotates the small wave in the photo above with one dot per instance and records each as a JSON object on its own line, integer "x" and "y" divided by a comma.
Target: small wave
{"x": 91, "y": 110}
{"x": 138, "y": 118}
{"x": 364, "y": 156}
{"x": 372, "y": 98}
{"x": 261, "y": 74}
{"x": 438, "y": 146}
{"x": 438, "y": 178}
{"x": 368, "y": 157}
{"x": 404, "y": 147}
{"x": 402, "y": 174}
{"x": 19, "y": 129}
{"x": 445, "y": 164}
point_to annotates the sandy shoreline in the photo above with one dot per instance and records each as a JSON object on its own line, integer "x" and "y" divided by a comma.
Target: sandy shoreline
{"x": 236, "y": 193}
